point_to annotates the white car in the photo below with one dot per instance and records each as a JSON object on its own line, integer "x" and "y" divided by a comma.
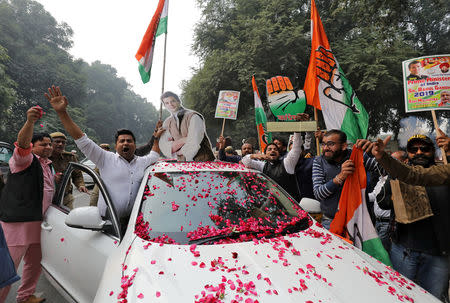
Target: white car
{"x": 209, "y": 232}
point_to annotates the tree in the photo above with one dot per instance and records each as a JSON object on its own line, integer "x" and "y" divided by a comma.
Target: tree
{"x": 237, "y": 38}
{"x": 7, "y": 86}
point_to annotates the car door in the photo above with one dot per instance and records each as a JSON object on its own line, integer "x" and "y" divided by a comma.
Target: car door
{"x": 72, "y": 258}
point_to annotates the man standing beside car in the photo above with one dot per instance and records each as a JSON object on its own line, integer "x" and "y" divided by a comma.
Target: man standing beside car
{"x": 331, "y": 169}
{"x": 122, "y": 171}
{"x": 60, "y": 160}
{"x": 27, "y": 195}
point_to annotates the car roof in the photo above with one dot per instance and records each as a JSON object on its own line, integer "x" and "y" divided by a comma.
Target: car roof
{"x": 173, "y": 166}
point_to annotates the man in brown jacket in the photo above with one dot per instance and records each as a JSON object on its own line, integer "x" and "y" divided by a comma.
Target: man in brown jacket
{"x": 435, "y": 175}
{"x": 186, "y": 138}
{"x": 60, "y": 160}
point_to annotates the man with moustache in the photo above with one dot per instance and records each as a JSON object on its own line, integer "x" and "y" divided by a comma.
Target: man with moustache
{"x": 246, "y": 149}
{"x": 420, "y": 249}
{"x": 445, "y": 98}
{"x": 27, "y": 195}
{"x": 185, "y": 138}
{"x": 280, "y": 170}
{"x": 122, "y": 171}
{"x": 330, "y": 171}
{"x": 60, "y": 160}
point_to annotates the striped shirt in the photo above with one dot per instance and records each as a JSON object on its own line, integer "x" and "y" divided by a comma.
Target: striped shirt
{"x": 325, "y": 190}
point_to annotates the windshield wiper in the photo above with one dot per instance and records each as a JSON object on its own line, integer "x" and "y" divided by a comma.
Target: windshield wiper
{"x": 232, "y": 235}
{"x": 290, "y": 229}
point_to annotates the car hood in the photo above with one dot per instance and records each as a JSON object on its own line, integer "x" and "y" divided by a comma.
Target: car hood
{"x": 310, "y": 266}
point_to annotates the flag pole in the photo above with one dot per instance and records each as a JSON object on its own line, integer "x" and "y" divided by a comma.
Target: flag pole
{"x": 163, "y": 75}
{"x": 223, "y": 127}
{"x": 317, "y": 139}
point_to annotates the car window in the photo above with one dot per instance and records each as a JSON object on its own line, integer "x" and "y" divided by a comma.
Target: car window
{"x": 182, "y": 207}
{"x": 73, "y": 198}
{"x": 5, "y": 155}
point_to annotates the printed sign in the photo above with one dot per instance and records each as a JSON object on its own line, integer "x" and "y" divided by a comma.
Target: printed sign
{"x": 284, "y": 102}
{"x": 427, "y": 83}
{"x": 227, "y": 104}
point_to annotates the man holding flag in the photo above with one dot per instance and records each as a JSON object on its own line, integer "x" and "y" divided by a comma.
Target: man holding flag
{"x": 330, "y": 171}
{"x": 327, "y": 89}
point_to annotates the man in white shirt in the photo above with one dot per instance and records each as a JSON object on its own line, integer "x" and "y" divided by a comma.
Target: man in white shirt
{"x": 122, "y": 171}
{"x": 185, "y": 138}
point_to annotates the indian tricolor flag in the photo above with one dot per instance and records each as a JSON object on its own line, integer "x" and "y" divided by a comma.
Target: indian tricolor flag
{"x": 157, "y": 26}
{"x": 261, "y": 119}
{"x": 352, "y": 220}
{"x": 327, "y": 88}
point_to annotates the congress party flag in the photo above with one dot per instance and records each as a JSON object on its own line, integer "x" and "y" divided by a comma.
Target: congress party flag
{"x": 352, "y": 220}
{"x": 327, "y": 88}
{"x": 261, "y": 119}
{"x": 157, "y": 26}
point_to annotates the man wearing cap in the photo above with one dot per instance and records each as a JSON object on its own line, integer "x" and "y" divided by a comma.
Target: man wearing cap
{"x": 420, "y": 249}
{"x": 60, "y": 160}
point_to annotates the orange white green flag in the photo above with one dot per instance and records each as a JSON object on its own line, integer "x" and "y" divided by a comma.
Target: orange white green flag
{"x": 261, "y": 119}
{"x": 352, "y": 220}
{"x": 157, "y": 26}
{"x": 326, "y": 87}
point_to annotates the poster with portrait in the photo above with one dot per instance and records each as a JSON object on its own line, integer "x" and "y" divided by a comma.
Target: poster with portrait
{"x": 426, "y": 82}
{"x": 227, "y": 104}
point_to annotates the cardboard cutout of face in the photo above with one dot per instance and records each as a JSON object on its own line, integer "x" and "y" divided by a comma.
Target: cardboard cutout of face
{"x": 284, "y": 102}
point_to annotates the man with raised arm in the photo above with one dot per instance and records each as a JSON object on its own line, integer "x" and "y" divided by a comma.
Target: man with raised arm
{"x": 415, "y": 175}
{"x": 25, "y": 199}
{"x": 122, "y": 171}
{"x": 280, "y": 170}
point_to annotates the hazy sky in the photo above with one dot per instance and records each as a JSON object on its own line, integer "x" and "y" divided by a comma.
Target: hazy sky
{"x": 111, "y": 31}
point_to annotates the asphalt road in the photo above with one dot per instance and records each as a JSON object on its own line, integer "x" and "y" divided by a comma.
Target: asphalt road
{"x": 44, "y": 288}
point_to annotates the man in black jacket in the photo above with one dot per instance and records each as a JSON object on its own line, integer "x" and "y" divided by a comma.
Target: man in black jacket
{"x": 420, "y": 249}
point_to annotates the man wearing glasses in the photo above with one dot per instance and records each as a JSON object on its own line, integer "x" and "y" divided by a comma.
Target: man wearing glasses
{"x": 330, "y": 171}
{"x": 60, "y": 160}
{"x": 420, "y": 249}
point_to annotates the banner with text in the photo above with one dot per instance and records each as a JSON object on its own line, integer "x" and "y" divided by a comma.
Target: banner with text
{"x": 227, "y": 104}
{"x": 426, "y": 82}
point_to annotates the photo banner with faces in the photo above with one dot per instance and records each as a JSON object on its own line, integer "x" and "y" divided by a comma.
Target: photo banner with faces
{"x": 227, "y": 104}
{"x": 426, "y": 82}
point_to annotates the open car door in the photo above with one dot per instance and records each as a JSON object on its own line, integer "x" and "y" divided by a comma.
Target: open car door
{"x": 73, "y": 258}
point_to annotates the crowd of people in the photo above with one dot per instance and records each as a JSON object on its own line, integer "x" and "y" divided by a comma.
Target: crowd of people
{"x": 418, "y": 247}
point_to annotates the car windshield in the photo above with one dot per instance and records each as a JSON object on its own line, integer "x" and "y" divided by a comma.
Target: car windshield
{"x": 215, "y": 207}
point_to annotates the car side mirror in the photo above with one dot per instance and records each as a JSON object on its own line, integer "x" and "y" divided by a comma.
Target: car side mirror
{"x": 310, "y": 205}
{"x": 87, "y": 217}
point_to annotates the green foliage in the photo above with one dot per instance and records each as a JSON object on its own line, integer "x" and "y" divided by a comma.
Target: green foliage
{"x": 7, "y": 85}
{"x": 99, "y": 101}
{"x": 238, "y": 38}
